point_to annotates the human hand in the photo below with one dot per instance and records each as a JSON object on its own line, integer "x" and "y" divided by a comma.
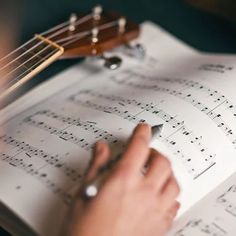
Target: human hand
{"x": 128, "y": 203}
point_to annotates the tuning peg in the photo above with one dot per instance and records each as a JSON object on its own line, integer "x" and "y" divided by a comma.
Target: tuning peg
{"x": 112, "y": 63}
{"x": 97, "y": 12}
{"x": 122, "y": 25}
{"x": 73, "y": 19}
{"x": 95, "y": 32}
{"x": 137, "y": 51}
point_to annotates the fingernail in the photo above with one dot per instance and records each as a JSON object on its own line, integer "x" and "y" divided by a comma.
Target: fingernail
{"x": 143, "y": 124}
{"x": 146, "y": 125}
{"x": 178, "y": 205}
{"x": 149, "y": 128}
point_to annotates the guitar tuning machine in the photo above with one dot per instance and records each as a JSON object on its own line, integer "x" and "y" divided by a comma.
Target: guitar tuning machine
{"x": 114, "y": 62}
{"x": 136, "y": 51}
{"x": 97, "y": 12}
{"x": 72, "y": 20}
{"x": 111, "y": 63}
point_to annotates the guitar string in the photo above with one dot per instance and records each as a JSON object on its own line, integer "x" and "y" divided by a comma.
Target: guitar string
{"x": 26, "y": 52}
{"x": 103, "y": 27}
{"x": 80, "y": 21}
{"x": 63, "y": 30}
{"x": 22, "y": 64}
{"x": 44, "y": 58}
{"x": 43, "y": 33}
{"x": 29, "y": 69}
{"x": 17, "y": 49}
{"x": 29, "y": 41}
{"x": 64, "y": 24}
{"x": 84, "y": 33}
{"x": 75, "y": 39}
{"x": 72, "y": 41}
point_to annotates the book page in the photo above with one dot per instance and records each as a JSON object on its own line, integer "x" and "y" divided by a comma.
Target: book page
{"x": 213, "y": 216}
{"x": 46, "y": 148}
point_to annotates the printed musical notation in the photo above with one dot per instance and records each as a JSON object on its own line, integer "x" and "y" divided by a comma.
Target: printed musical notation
{"x": 74, "y": 120}
{"x": 86, "y": 98}
{"x": 53, "y": 160}
{"x": 68, "y": 136}
{"x": 219, "y": 68}
{"x": 123, "y": 102}
{"x": 25, "y": 155}
{"x": 28, "y": 164}
{"x": 212, "y": 95}
{"x": 136, "y": 80}
{"x": 42, "y": 176}
{"x": 89, "y": 126}
{"x": 109, "y": 109}
{"x": 213, "y": 215}
{"x": 201, "y": 228}
{"x": 227, "y": 200}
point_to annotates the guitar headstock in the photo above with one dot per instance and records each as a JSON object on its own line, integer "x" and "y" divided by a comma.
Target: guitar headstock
{"x": 88, "y": 35}
{"x": 93, "y": 34}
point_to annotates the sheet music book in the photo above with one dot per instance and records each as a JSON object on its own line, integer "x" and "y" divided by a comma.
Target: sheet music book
{"x": 47, "y": 136}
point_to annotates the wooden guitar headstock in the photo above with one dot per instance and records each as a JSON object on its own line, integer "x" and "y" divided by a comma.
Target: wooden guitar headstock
{"x": 93, "y": 34}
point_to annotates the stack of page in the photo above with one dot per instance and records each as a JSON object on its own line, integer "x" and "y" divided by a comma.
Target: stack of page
{"x": 47, "y": 136}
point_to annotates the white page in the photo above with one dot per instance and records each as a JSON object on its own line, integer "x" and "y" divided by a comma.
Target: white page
{"x": 48, "y": 146}
{"x": 213, "y": 216}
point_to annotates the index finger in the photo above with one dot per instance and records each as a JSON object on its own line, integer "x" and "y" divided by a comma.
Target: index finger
{"x": 137, "y": 152}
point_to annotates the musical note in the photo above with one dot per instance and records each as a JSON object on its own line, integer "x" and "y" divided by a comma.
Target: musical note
{"x": 69, "y": 137}
{"x": 212, "y": 95}
{"x": 149, "y": 107}
{"x": 179, "y": 93}
{"x": 85, "y": 97}
{"x": 195, "y": 170}
{"x": 201, "y": 228}
{"x": 52, "y": 160}
{"x": 85, "y": 125}
{"x": 109, "y": 109}
{"x": 35, "y": 172}
{"x": 219, "y": 68}
{"x": 227, "y": 200}
{"x": 22, "y": 155}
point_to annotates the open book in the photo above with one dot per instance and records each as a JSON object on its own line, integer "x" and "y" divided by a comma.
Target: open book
{"x": 47, "y": 136}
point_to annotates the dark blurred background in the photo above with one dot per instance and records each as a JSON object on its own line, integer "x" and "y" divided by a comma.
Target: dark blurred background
{"x": 200, "y": 29}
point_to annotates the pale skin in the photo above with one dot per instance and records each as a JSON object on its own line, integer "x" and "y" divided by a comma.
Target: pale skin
{"x": 128, "y": 203}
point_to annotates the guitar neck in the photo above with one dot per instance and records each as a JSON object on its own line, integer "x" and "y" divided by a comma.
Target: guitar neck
{"x": 31, "y": 59}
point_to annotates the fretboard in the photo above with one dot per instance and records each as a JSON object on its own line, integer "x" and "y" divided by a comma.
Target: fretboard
{"x": 26, "y": 62}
